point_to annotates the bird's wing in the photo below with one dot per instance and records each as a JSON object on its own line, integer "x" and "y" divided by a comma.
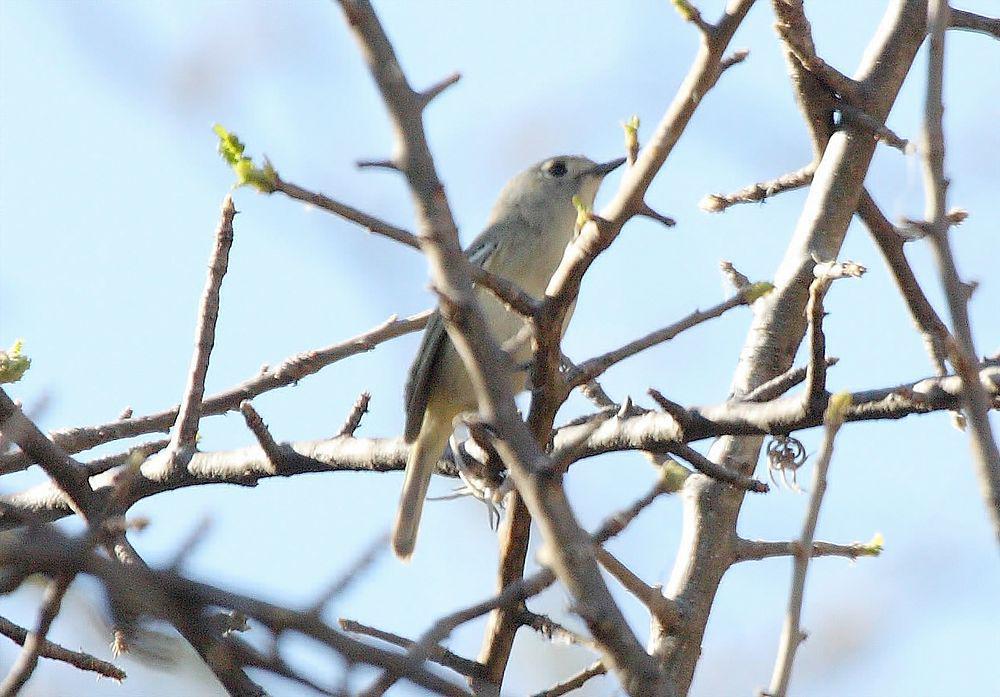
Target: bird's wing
{"x": 421, "y": 377}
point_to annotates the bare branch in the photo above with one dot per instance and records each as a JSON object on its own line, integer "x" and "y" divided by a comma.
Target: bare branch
{"x": 48, "y": 649}
{"x": 925, "y": 317}
{"x": 648, "y": 431}
{"x": 755, "y": 550}
{"x": 574, "y": 683}
{"x": 661, "y": 607}
{"x": 590, "y": 369}
{"x": 434, "y": 90}
{"x": 755, "y": 193}
{"x": 791, "y": 634}
{"x": 969, "y": 21}
{"x": 358, "y": 412}
{"x": 794, "y": 29}
{"x": 259, "y": 429}
{"x": 882, "y": 132}
{"x": 775, "y": 387}
{"x": 438, "y": 654}
{"x": 288, "y": 372}
{"x": 552, "y": 630}
{"x": 186, "y": 426}
{"x": 369, "y": 222}
{"x": 716, "y": 471}
{"x": 976, "y": 405}
{"x": 25, "y": 665}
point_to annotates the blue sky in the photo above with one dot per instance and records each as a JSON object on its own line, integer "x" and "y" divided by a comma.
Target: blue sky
{"x": 110, "y": 189}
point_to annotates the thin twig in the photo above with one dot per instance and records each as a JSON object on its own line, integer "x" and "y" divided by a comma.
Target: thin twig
{"x": 358, "y": 412}
{"x": 759, "y": 192}
{"x": 717, "y": 471}
{"x": 26, "y": 662}
{"x": 775, "y": 387}
{"x": 661, "y": 607}
{"x": 552, "y": 630}
{"x": 288, "y": 372}
{"x": 574, "y": 683}
{"x": 259, "y": 429}
{"x": 976, "y": 405}
{"x": 353, "y": 574}
{"x": 969, "y": 21}
{"x": 186, "y": 426}
{"x": 51, "y": 650}
{"x": 369, "y": 222}
{"x": 756, "y": 550}
{"x": 791, "y": 633}
{"x": 438, "y": 654}
{"x": 592, "y": 368}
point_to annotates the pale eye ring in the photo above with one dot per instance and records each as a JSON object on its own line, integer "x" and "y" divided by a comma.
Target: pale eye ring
{"x": 555, "y": 168}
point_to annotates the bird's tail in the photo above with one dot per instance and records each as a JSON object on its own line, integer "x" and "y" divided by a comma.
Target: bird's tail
{"x": 424, "y": 455}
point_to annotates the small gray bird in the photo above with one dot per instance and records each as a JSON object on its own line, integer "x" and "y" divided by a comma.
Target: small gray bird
{"x": 531, "y": 224}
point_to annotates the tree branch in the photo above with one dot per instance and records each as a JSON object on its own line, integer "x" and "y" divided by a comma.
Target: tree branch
{"x": 791, "y": 633}
{"x": 985, "y": 455}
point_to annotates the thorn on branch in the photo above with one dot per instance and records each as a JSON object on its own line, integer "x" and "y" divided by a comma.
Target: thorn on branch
{"x": 717, "y": 471}
{"x": 575, "y": 682}
{"x": 378, "y": 164}
{"x": 434, "y": 90}
{"x": 647, "y": 212}
{"x": 677, "y": 411}
{"x": 357, "y": 413}
{"x": 267, "y": 443}
{"x": 732, "y": 276}
{"x": 734, "y": 58}
{"x": 853, "y": 115}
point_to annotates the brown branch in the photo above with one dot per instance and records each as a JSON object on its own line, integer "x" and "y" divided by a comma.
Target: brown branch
{"x": 551, "y": 630}
{"x": 791, "y": 633}
{"x": 795, "y": 31}
{"x": 815, "y": 394}
{"x": 756, "y": 550}
{"x": 718, "y": 472}
{"x": 469, "y": 333}
{"x": 712, "y": 509}
{"x": 664, "y": 609}
{"x": 756, "y": 193}
{"x": 594, "y": 367}
{"x": 358, "y": 412}
{"x": 775, "y": 387}
{"x": 890, "y": 244}
{"x": 68, "y": 477}
{"x": 574, "y": 683}
{"x": 290, "y": 371}
{"x": 133, "y": 454}
{"x": 26, "y": 662}
{"x": 976, "y": 405}
{"x": 880, "y": 131}
{"x": 969, "y": 21}
{"x": 369, "y": 222}
{"x": 186, "y": 426}
{"x": 51, "y": 650}
{"x": 648, "y": 431}
{"x": 264, "y": 438}
{"x": 437, "y": 654}
{"x": 166, "y": 595}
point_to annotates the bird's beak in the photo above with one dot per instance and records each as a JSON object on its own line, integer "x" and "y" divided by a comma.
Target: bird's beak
{"x": 603, "y": 169}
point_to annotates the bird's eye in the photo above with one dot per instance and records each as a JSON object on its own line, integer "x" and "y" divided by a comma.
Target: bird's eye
{"x": 555, "y": 168}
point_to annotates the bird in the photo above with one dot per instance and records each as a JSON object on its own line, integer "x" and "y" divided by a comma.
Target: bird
{"x": 531, "y": 224}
